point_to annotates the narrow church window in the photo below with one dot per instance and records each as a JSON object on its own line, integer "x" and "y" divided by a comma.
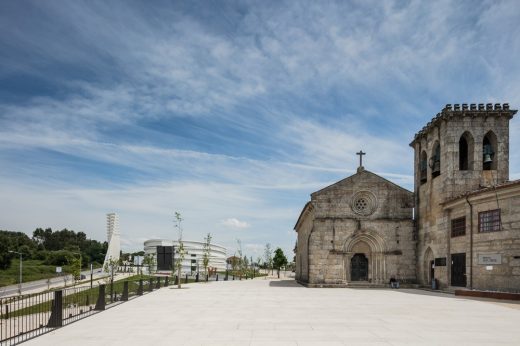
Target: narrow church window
{"x": 489, "y": 221}
{"x": 489, "y": 145}
{"x": 458, "y": 227}
{"x": 435, "y": 160}
{"x": 466, "y": 152}
{"x": 423, "y": 167}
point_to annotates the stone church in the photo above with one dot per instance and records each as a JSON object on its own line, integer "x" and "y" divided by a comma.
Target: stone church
{"x": 459, "y": 228}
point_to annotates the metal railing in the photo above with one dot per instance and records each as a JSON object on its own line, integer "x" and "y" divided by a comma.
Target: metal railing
{"x": 24, "y": 317}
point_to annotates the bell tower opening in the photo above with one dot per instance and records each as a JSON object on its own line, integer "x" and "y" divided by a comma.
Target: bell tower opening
{"x": 466, "y": 150}
{"x": 435, "y": 160}
{"x": 423, "y": 167}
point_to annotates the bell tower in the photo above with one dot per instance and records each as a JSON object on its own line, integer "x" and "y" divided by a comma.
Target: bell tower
{"x": 462, "y": 149}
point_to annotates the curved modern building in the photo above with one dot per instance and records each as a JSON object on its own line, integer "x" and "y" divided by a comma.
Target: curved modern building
{"x": 165, "y": 251}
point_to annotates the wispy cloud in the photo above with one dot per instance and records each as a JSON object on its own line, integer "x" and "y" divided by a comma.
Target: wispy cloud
{"x": 235, "y": 223}
{"x": 229, "y": 109}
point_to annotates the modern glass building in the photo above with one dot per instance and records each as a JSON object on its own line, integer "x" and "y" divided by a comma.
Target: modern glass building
{"x": 165, "y": 251}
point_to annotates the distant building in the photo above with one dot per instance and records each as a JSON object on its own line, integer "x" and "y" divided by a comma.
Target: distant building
{"x": 113, "y": 238}
{"x": 164, "y": 251}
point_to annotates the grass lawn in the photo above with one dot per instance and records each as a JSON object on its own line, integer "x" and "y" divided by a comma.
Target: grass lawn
{"x": 32, "y": 270}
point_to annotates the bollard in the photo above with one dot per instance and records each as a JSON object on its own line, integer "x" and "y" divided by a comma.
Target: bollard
{"x": 233, "y": 277}
{"x": 217, "y": 277}
{"x": 166, "y": 281}
{"x": 56, "y": 319}
{"x": 140, "y": 289}
{"x": 207, "y": 277}
{"x": 158, "y": 284}
{"x": 197, "y": 277}
{"x": 124, "y": 296}
{"x": 100, "y": 304}
{"x": 186, "y": 281}
{"x": 176, "y": 281}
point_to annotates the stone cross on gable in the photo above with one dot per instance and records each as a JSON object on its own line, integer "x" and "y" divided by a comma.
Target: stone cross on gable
{"x": 361, "y": 153}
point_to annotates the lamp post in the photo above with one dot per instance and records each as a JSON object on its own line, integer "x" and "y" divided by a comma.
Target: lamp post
{"x": 20, "y": 279}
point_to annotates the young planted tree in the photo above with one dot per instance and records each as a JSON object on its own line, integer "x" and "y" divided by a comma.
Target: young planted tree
{"x": 206, "y": 252}
{"x": 181, "y": 253}
{"x": 279, "y": 260}
{"x": 74, "y": 261}
{"x": 240, "y": 263}
{"x": 149, "y": 262}
{"x": 268, "y": 257}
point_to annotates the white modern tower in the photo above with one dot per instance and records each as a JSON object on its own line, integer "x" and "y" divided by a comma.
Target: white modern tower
{"x": 113, "y": 238}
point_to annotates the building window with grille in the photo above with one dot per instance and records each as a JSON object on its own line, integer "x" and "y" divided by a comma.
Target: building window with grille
{"x": 458, "y": 227}
{"x": 489, "y": 221}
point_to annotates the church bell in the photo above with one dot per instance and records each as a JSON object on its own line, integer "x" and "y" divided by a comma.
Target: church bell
{"x": 488, "y": 152}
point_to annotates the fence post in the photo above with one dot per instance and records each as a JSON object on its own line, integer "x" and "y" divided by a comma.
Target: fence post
{"x": 186, "y": 279}
{"x": 100, "y": 304}
{"x": 227, "y": 276}
{"x": 207, "y": 277}
{"x": 197, "y": 277}
{"x": 176, "y": 282}
{"x": 56, "y": 319}
{"x": 217, "y": 277}
{"x": 124, "y": 296}
{"x": 158, "y": 284}
{"x": 166, "y": 281}
{"x": 150, "y": 286}
{"x": 233, "y": 277}
{"x": 140, "y": 289}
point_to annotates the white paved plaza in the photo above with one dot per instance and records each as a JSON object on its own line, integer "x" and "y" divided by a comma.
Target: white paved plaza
{"x": 273, "y": 312}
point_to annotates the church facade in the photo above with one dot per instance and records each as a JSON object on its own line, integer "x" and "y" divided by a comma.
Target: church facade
{"x": 460, "y": 227}
{"x": 357, "y": 230}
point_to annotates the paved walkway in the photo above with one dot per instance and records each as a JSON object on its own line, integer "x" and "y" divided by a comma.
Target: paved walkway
{"x": 273, "y": 312}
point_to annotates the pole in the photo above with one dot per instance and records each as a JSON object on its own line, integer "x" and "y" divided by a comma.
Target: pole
{"x": 91, "y": 275}
{"x": 21, "y": 273}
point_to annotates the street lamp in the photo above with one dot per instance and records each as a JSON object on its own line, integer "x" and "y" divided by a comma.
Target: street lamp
{"x": 20, "y": 280}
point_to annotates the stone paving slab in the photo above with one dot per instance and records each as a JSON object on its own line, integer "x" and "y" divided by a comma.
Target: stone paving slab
{"x": 280, "y": 312}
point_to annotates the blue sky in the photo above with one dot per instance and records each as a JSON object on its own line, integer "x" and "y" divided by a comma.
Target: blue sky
{"x": 231, "y": 113}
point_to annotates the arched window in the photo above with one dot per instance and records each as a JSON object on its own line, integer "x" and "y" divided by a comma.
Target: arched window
{"x": 435, "y": 160}
{"x": 466, "y": 151}
{"x": 489, "y": 147}
{"x": 423, "y": 167}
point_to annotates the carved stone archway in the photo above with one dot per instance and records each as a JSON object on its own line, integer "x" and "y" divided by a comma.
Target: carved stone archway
{"x": 373, "y": 248}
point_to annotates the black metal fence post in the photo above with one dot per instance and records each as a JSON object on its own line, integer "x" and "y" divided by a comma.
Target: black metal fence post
{"x": 176, "y": 282}
{"x": 186, "y": 279}
{"x": 158, "y": 284}
{"x": 166, "y": 281}
{"x": 140, "y": 289}
{"x": 233, "y": 277}
{"x": 124, "y": 296}
{"x": 227, "y": 276}
{"x": 197, "y": 277}
{"x": 100, "y": 304}
{"x": 150, "y": 286}
{"x": 56, "y": 319}
{"x": 217, "y": 277}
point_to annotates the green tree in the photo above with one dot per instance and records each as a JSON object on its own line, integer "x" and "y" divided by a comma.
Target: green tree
{"x": 279, "y": 260}
{"x": 74, "y": 261}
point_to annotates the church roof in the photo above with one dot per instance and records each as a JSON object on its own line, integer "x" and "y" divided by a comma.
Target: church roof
{"x": 308, "y": 206}
{"x": 360, "y": 171}
{"x": 483, "y": 190}
{"x": 473, "y": 110}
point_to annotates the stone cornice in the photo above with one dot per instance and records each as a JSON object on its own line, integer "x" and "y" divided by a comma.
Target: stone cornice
{"x": 465, "y": 110}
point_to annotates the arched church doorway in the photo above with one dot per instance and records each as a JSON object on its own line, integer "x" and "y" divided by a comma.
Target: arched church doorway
{"x": 359, "y": 267}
